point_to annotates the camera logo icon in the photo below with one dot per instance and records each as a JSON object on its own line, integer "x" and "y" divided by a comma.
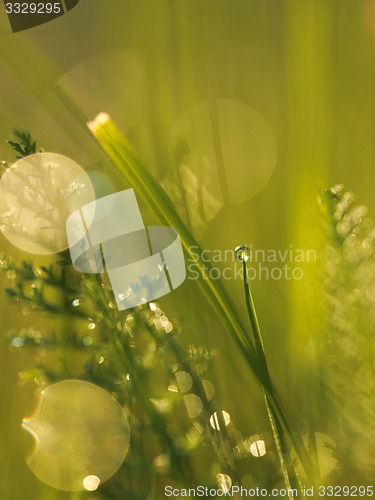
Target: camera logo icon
{"x": 143, "y": 263}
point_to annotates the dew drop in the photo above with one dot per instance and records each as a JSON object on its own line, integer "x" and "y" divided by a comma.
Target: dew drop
{"x": 224, "y": 483}
{"x": 208, "y": 389}
{"x": 162, "y": 463}
{"x": 17, "y": 342}
{"x": 168, "y": 327}
{"x": 184, "y": 381}
{"x": 194, "y": 405}
{"x": 162, "y": 405}
{"x": 164, "y": 320}
{"x": 258, "y": 448}
{"x": 91, "y": 483}
{"x": 242, "y": 253}
{"x": 216, "y": 419}
{"x": 157, "y": 323}
{"x": 157, "y": 312}
{"x": 75, "y": 303}
{"x": 3, "y": 262}
{"x": 130, "y": 320}
{"x": 193, "y": 435}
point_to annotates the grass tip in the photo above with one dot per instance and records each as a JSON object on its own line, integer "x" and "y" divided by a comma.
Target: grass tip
{"x": 99, "y": 120}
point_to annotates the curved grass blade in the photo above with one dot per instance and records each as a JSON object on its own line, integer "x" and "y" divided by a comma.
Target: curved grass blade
{"x": 127, "y": 161}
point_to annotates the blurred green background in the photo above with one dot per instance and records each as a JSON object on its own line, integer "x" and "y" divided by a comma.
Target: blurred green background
{"x": 304, "y": 70}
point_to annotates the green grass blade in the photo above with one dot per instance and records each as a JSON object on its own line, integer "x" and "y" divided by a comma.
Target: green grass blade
{"x": 131, "y": 166}
{"x": 127, "y": 161}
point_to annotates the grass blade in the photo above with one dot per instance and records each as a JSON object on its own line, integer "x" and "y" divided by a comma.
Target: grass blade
{"x": 132, "y": 168}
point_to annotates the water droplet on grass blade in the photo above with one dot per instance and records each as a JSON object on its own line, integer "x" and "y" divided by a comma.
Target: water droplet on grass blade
{"x": 242, "y": 253}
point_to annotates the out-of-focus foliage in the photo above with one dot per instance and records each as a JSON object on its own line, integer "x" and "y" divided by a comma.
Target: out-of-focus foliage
{"x": 347, "y": 342}
{"x": 139, "y": 359}
{"x": 308, "y": 68}
{"x": 173, "y": 417}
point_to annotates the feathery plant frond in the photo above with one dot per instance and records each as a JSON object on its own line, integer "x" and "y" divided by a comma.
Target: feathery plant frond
{"x": 26, "y": 146}
{"x": 139, "y": 358}
{"x": 348, "y": 365}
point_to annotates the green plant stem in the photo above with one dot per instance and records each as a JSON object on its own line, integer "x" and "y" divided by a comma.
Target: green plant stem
{"x": 132, "y": 168}
{"x": 290, "y": 476}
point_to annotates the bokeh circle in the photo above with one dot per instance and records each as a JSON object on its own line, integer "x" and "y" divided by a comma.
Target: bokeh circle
{"x": 37, "y": 195}
{"x": 81, "y": 436}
